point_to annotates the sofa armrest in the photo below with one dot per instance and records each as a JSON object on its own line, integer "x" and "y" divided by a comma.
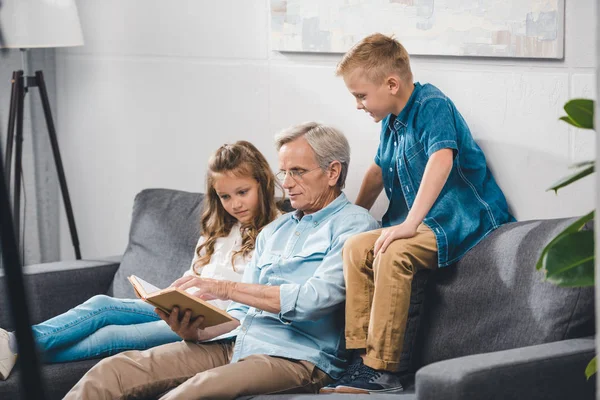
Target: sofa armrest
{"x": 54, "y": 288}
{"x": 547, "y": 371}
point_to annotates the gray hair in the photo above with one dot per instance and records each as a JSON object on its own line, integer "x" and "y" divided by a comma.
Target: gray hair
{"x": 328, "y": 143}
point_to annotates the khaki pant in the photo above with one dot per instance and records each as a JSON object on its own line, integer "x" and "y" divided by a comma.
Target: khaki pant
{"x": 195, "y": 371}
{"x": 378, "y": 292}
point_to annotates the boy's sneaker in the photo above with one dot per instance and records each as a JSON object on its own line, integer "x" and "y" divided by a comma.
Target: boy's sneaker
{"x": 7, "y": 357}
{"x": 346, "y": 377}
{"x": 368, "y": 380}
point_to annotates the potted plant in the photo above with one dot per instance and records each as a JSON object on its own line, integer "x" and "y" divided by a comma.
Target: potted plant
{"x": 569, "y": 260}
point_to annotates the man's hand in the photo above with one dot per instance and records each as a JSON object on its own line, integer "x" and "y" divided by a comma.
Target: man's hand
{"x": 262, "y": 297}
{"x": 403, "y": 231}
{"x": 208, "y": 289}
{"x": 186, "y": 328}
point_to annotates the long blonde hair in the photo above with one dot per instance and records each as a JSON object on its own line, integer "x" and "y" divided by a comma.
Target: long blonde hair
{"x": 244, "y": 160}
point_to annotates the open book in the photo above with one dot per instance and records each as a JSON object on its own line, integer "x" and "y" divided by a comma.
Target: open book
{"x": 166, "y": 299}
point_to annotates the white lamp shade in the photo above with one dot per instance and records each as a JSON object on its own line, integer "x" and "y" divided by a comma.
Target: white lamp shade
{"x": 29, "y": 24}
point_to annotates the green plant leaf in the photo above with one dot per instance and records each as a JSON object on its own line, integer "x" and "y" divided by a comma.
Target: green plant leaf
{"x": 581, "y": 111}
{"x": 582, "y": 164}
{"x": 570, "y": 260}
{"x": 580, "y": 276}
{"x": 574, "y": 227}
{"x": 569, "y": 121}
{"x": 590, "y": 369}
{"x": 582, "y": 173}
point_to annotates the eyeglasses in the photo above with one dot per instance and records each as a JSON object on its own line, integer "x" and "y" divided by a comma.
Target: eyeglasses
{"x": 294, "y": 173}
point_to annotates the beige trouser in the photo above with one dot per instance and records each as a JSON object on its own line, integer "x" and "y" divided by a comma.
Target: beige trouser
{"x": 378, "y": 292}
{"x": 196, "y": 371}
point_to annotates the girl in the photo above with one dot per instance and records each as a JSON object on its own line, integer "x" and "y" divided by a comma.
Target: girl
{"x": 239, "y": 202}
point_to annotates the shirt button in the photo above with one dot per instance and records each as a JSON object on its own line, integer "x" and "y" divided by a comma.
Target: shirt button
{"x": 315, "y": 224}
{"x": 395, "y": 144}
{"x": 391, "y": 169}
{"x": 297, "y": 233}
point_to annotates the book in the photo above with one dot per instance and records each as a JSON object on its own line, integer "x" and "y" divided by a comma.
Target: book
{"x": 166, "y": 299}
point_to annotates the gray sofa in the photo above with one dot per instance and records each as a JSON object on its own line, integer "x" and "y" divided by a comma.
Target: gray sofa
{"x": 490, "y": 328}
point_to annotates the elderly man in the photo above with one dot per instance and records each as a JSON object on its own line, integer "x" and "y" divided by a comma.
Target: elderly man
{"x": 290, "y": 337}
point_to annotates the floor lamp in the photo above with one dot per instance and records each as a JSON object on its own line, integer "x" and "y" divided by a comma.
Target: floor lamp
{"x": 18, "y": 19}
{"x": 30, "y": 24}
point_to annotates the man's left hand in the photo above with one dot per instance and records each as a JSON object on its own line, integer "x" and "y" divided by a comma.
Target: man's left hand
{"x": 402, "y": 231}
{"x": 208, "y": 289}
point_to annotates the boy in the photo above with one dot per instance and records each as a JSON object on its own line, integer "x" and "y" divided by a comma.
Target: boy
{"x": 443, "y": 201}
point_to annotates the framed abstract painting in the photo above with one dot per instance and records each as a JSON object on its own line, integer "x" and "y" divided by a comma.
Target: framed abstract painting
{"x": 483, "y": 28}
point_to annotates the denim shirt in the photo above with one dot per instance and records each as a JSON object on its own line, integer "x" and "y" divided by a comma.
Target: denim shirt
{"x": 303, "y": 256}
{"x": 470, "y": 205}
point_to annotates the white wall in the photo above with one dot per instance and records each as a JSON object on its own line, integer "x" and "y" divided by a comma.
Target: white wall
{"x": 159, "y": 85}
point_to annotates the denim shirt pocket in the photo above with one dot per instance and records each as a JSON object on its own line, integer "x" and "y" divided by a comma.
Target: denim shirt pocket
{"x": 413, "y": 149}
{"x": 312, "y": 252}
{"x": 415, "y": 158}
{"x": 309, "y": 257}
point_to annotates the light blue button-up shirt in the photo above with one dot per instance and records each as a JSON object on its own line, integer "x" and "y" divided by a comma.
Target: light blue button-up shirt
{"x": 303, "y": 256}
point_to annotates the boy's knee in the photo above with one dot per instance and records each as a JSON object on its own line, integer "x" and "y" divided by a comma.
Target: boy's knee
{"x": 404, "y": 248}
{"x": 357, "y": 244}
{"x": 397, "y": 254}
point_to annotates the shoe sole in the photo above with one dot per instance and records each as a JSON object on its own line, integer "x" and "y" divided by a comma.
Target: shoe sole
{"x": 352, "y": 390}
{"x": 327, "y": 390}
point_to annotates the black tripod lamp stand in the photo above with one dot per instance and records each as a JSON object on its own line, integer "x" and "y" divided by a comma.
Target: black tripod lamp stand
{"x": 29, "y": 24}
{"x": 26, "y": 24}
{"x": 20, "y": 86}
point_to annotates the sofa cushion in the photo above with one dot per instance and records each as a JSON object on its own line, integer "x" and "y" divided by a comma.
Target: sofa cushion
{"x": 494, "y": 298}
{"x": 165, "y": 227}
{"x": 58, "y": 379}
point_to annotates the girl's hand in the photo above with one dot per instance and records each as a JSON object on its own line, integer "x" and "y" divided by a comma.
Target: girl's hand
{"x": 185, "y": 327}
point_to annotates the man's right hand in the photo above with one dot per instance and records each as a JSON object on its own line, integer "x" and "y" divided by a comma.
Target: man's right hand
{"x": 185, "y": 327}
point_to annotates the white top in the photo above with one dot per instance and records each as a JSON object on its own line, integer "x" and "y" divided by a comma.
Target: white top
{"x": 220, "y": 266}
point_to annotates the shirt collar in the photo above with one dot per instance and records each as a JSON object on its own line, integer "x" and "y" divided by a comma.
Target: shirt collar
{"x": 402, "y": 119}
{"x": 317, "y": 217}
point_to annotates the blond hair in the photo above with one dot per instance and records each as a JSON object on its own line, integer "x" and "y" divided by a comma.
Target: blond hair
{"x": 378, "y": 55}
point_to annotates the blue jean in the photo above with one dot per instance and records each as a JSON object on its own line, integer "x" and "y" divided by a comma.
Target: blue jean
{"x": 100, "y": 327}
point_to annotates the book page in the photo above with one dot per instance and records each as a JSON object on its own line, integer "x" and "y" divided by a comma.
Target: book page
{"x": 148, "y": 287}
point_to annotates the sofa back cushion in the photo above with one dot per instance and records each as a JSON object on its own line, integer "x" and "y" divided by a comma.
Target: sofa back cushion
{"x": 165, "y": 228}
{"x": 494, "y": 298}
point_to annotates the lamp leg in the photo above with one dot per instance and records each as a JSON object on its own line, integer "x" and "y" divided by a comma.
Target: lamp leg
{"x": 18, "y": 155}
{"x": 31, "y": 380}
{"x": 10, "y": 136}
{"x": 39, "y": 76}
